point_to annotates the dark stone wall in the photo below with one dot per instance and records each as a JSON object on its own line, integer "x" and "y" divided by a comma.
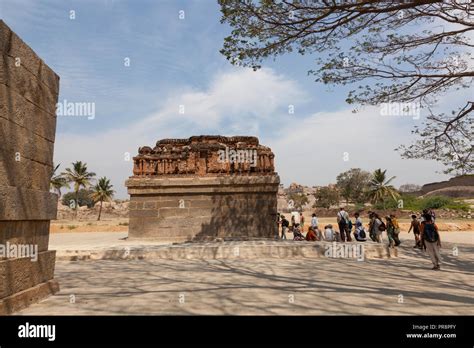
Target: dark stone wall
{"x": 28, "y": 96}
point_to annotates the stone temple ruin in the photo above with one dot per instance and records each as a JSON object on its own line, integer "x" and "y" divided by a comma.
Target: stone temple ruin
{"x": 28, "y": 97}
{"x": 203, "y": 188}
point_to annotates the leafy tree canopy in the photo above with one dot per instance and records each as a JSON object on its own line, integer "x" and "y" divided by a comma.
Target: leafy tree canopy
{"x": 353, "y": 184}
{"x": 395, "y": 51}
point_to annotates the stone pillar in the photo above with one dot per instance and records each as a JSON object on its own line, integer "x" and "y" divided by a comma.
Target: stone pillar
{"x": 28, "y": 97}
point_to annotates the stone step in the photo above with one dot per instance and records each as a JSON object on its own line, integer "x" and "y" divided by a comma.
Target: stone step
{"x": 234, "y": 250}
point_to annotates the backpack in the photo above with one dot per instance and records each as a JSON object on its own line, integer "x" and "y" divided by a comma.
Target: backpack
{"x": 429, "y": 233}
{"x": 382, "y": 226}
{"x": 362, "y": 234}
{"x": 349, "y": 225}
{"x": 342, "y": 220}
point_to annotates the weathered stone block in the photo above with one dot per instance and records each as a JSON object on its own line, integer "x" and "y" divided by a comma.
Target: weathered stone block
{"x": 143, "y": 213}
{"x": 25, "y": 143}
{"x": 13, "y": 46}
{"x": 22, "y": 273}
{"x": 24, "y": 204}
{"x": 25, "y": 232}
{"x": 17, "y": 109}
{"x": 25, "y": 83}
{"x": 25, "y": 173}
{"x": 25, "y": 298}
{"x": 173, "y": 212}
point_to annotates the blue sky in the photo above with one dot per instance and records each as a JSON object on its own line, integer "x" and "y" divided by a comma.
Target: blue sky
{"x": 176, "y": 62}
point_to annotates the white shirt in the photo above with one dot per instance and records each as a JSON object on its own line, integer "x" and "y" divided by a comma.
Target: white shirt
{"x": 343, "y": 215}
{"x": 328, "y": 234}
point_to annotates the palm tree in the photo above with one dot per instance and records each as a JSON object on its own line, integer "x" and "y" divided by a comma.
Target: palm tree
{"x": 102, "y": 191}
{"x": 379, "y": 187}
{"x": 80, "y": 177}
{"x": 58, "y": 181}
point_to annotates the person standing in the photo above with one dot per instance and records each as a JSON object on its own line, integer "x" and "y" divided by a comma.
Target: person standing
{"x": 396, "y": 229}
{"x": 371, "y": 225}
{"x": 377, "y": 227}
{"x": 302, "y": 221}
{"x": 415, "y": 226}
{"x": 278, "y": 221}
{"x": 314, "y": 221}
{"x": 359, "y": 232}
{"x": 284, "y": 226}
{"x": 390, "y": 232}
{"x": 343, "y": 223}
{"x": 431, "y": 240}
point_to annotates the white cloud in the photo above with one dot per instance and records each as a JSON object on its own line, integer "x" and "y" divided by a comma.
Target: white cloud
{"x": 237, "y": 102}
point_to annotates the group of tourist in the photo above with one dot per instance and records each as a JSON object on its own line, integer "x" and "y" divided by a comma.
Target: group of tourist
{"x": 424, "y": 229}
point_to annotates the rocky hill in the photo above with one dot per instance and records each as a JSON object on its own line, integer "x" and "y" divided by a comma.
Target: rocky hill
{"x": 460, "y": 186}
{"x": 109, "y": 210}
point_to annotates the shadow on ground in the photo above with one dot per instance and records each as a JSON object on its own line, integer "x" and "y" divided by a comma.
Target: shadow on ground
{"x": 402, "y": 286}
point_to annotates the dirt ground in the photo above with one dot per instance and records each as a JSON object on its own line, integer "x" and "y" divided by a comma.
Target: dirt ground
{"x": 105, "y": 225}
{"x": 121, "y": 224}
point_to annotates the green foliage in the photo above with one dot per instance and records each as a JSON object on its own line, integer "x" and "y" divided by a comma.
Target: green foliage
{"x": 353, "y": 184}
{"x": 326, "y": 197}
{"x": 414, "y": 203}
{"x": 58, "y": 181}
{"x": 380, "y": 190}
{"x": 83, "y": 198}
{"x": 438, "y": 202}
{"x": 79, "y": 177}
{"x": 102, "y": 191}
{"x": 385, "y": 58}
{"x": 390, "y": 204}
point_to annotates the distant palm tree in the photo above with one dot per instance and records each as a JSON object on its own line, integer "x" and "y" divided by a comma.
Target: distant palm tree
{"x": 57, "y": 182}
{"x": 80, "y": 177}
{"x": 379, "y": 187}
{"x": 102, "y": 191}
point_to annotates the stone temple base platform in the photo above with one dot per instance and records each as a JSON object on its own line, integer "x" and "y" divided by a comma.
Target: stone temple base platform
{"x": 257, "y": 249}
{"x": 179, "y": 209}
